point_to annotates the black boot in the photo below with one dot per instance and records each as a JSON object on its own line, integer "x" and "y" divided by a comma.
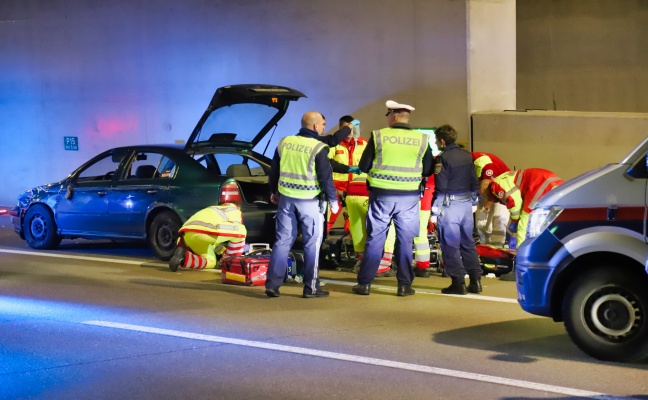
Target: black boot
{"x": 475, "y": 285}
{"x": 458, "y": 286}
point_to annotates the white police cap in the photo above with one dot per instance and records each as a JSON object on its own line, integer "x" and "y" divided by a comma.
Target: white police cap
{"x": 393, "y": 106}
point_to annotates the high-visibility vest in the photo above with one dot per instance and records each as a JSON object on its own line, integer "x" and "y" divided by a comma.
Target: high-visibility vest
{"x": 520, "y": 190}
{"x": 297, "y": 175}
{"x": 340, "y": 153}
{"x": 398, "y": 162}
{"x": 223, "y": 220}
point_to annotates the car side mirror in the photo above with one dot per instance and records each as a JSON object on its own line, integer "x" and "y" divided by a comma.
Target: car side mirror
{"x": 69, "y": 192}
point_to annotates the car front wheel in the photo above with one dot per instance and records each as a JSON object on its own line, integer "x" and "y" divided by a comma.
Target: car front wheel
{"x": 39, "y": 228}
{"x": 605, "y": 313}
{"x": 163, "y": 234}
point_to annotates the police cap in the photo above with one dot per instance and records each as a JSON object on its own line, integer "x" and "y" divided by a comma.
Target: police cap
{"x": 397, "y": 107}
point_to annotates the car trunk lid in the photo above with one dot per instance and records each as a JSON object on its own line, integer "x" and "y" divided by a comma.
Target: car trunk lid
{"x": 241, "y": 115}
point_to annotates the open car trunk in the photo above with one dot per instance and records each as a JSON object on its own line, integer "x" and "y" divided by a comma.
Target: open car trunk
{"x": 254, "y": 189}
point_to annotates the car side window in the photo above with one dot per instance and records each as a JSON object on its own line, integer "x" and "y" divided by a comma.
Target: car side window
{"x": 151, "y": 165}
{"x": 236, "y": 165}
{"x": 103, "y": 169}
{"x": 255, "y": 168}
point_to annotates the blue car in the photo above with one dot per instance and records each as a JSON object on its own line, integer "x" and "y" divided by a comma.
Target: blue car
{"x": 146, "y": 192}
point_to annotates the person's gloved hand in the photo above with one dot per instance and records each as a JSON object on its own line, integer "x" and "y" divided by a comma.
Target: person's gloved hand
{"x": 437, "y": 206}
{"x": 335, "y": 208}
{"x": 512, "y": 228}
{"x": 475, "y": 199}
{"x": 355, "y": 170}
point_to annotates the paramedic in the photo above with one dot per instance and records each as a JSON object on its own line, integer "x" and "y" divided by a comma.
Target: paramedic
{"x": 490, "y": 223}
{"x": 518, "y": 191}
{"x": 299, "y": 174}
{"x": 395, "y": 160}
{"x": 344, "y": 160}
{"x": 210, "y": 231}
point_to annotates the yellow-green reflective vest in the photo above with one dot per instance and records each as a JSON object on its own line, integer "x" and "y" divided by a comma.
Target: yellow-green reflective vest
{"x": 398, "y": 162}
{"x": 297, "y": 175}
{"x": 216, "y": 220}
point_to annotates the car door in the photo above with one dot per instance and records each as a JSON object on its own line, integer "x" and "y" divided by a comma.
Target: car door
{"x": 83, "y": 204}
{"x": 142, "y": 187}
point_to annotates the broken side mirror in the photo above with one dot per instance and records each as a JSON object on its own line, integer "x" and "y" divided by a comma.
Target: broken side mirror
{"x": 69, "y": 192}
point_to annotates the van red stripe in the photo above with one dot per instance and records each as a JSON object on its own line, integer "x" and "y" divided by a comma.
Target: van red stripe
{"x": 600, "y": 214}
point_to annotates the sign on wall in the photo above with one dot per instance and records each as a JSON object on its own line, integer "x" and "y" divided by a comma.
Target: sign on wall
{"x": 71, "y": 142}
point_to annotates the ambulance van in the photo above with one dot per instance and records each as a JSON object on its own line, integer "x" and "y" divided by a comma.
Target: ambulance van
{"x": 585, "y": 261}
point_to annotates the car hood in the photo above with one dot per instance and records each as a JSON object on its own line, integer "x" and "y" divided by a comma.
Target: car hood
{"x": 241, "y": 115}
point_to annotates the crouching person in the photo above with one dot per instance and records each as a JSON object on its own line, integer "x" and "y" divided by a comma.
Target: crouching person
{"x": 211, "y": 231}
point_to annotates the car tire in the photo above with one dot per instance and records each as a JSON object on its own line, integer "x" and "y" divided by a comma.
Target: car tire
{"x": 163, "y": 234}
{"x": 606, "y": 314}
{"x": 39, "y": 228}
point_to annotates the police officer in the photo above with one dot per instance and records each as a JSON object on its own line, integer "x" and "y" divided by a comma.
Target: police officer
{"x": 395, "y": 160}
{"x": 300, "y": 171}
{"x": 455, "y": 193}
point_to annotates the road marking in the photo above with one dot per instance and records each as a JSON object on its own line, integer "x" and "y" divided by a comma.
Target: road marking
{"x": 360, "y": 359}
{"x": 82, "y": 258}
{"x": 330, "y": 281}
{"x": 428, "y": 291}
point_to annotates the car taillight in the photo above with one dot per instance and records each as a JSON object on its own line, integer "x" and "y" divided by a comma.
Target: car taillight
{"x": 230, "y": 194}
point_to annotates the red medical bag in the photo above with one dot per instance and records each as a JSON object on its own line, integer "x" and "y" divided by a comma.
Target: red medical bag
{"x": 250, "y": 269}
{"x": 495, "y": 259}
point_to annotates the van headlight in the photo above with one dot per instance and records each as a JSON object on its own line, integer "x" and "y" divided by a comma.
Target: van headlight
{"x": 540, "y": 219}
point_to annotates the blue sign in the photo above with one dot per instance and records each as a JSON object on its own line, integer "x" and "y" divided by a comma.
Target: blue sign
{"x": 71, "y": 142}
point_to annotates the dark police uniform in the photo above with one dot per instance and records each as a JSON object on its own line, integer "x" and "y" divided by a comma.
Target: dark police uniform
{"x": 454, "y": 193}
{"x": 395, "y": 159}
{"x": 300, "y": 171}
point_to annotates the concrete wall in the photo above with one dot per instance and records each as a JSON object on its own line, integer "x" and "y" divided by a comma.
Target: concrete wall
{"x": 582, "y": 55}
{"x": 123, "y": 72}
{"x": 567, "y": 143}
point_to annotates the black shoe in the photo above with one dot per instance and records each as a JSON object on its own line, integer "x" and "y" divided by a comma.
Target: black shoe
{"x": 421, "y": 273}
{"x": 475, "y": 286}
{"x": 272, "y": 292}
{"x": 318, "y": 293}
{"x": 178, "y": 259}
{"x": 405, "y": 291}
{"x": 361, "y": 289}
{"x": 457, "y": 287}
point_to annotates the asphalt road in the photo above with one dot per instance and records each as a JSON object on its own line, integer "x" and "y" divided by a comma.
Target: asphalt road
{"x": 103, "y": 320}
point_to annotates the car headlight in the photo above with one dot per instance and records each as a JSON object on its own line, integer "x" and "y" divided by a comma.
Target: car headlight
{"x": 540, "y": 219}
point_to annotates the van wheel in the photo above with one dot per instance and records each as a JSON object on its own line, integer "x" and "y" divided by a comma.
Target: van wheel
{"x": 163, "y": 234}
{"x": 605, "y": 312}
{"x": 39, "y": 228}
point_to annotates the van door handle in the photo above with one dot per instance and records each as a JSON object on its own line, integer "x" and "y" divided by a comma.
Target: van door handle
{"x": 151, "y": 191}
{"x": 612, "y": 213}
{"x": 102, "y": 193}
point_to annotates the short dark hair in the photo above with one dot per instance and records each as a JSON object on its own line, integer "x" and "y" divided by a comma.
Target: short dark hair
{"x": 347, "y": 119}
{"x": 447, "y": 133}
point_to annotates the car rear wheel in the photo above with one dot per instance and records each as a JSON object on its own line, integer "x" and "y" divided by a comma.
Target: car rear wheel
{"x": 39, "y": 228}
{"x": 163, "y": 234}
{"x": 605, "y": 313}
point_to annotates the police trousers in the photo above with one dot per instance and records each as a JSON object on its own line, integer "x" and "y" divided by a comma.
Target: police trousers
{"x": 455, "y": 224}
{"x": 292, "y": 215}
{"x": 404, "y": 212}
